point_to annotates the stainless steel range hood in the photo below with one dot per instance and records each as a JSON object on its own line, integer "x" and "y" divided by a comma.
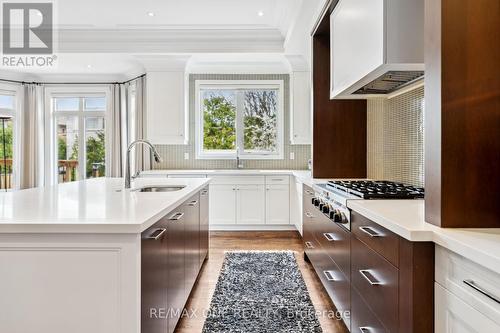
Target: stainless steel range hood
{"x": 390, "y": 82}
{"x": 377, "y": 47}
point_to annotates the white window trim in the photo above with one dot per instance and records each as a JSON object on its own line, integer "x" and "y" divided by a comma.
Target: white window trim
{"x": 16, "y": 91}
{"x": 50, "y": 130}
{"x": 240, "y": 84}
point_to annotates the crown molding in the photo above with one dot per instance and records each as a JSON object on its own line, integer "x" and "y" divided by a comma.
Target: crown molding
{"x": 169, "y": 41}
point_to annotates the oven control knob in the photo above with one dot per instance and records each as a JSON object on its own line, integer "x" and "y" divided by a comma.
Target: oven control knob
{"x": 326, "y": 209}
{"x": 321, "y": 205}
{"x": 313, "y": 201}
{"x": 337, "y": 216}
{"x": 316, "y": 202}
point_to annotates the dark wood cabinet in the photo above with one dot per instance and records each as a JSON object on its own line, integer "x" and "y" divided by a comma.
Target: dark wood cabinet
{"x": 384, "y": 280}
{"x": 176, "y": 268}
{"x": 154, "y": 255}
{"x": 191, "y": 242}
{"x": 204, "y": 228}
{"x": 377, "y": 280}
{"x": 171, "y": 252}
{"x": 339, "y": 126}
{"x": 363, "y": 320}
{"x": 462, "y": 113}
{"x": 381, "y": 240}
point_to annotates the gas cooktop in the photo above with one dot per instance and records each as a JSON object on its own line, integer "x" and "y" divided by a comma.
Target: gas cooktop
{"x": 369, "y": 189}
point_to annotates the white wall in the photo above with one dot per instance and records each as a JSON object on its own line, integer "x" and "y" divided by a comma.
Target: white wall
{"x": 298, "y": 41}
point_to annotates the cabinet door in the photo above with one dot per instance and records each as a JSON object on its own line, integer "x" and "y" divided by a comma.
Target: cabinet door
{"x": 300, "y": 120}
{"x": 166, "y": 113}
{"x": 357, "y": 41}
{"x": 296, "y": 205}
{"x": 454, "y": 315}
{"x": 192, "y": 242}
{"x": 154, "y": 277}
{"x": 278, "y": 204}
{"x": 223, "y": 204}
{"x": 250, "y": 204}
{"x": 176, "y": 297}
{"x": 204, "y": 230}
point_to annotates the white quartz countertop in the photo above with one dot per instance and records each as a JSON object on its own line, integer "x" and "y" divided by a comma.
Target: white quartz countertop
{"x": 92, "y": 206}
{"x": 222, "y": 172}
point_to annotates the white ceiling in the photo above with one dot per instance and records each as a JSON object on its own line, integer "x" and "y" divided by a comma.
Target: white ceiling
{"x": 177, "y": 14}
{"x": 114, "y": 37}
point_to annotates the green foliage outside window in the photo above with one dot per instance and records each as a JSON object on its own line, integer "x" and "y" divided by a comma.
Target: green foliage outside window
{"x": 219, "y": 123}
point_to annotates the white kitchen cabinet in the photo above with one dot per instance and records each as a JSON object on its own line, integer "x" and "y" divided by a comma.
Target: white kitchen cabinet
{"x": 300, "y": 108}
{"x": 250, "y": 203}
{"x": 296, "y": 205}
{"x": 277, "y": 204}
{"x": 453, "y": 315}
{"x": 372, "y": 37}
{"x": 222, "y": 204}
{"x": 166, "y": 108}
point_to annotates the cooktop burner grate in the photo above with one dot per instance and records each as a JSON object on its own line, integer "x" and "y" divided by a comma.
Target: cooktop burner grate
{"x": 368, "y": 189}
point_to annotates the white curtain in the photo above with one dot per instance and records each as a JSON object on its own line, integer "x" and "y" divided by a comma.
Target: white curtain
{"x": 31, "y": 137}
{"x": 128, "y": 123}
{"x": 118, "y": 130}
{"x": 138, "y": 118}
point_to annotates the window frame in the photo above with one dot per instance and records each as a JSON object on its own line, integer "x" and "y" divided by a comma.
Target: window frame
{"x": 202, "y": 154}
{"x": 15, "y": 114}
{"x": 51, "y": 129}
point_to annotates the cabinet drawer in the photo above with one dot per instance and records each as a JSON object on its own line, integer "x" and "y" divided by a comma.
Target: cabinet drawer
{"x": 476, "y": 285}
{"x": 335, "y": 242}
{"x": 454, "y": 315}
{"x": 238, "y": 180}
{"x": 378, "y": 238}
{"x": 336, "y": 284}
{"x": 363, "y": 320}
{"x": 278, "y": 180}
{"x": 307, "y": 193}
{"x": 377, "y": 281}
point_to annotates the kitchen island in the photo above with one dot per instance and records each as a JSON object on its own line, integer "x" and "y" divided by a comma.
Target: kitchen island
{"x": 84, "y": 256}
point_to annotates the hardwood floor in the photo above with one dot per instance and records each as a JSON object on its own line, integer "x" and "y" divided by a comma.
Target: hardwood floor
{"x": 200, "y": 298}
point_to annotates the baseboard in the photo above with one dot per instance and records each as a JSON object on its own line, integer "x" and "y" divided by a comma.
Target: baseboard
{"x": 256, "y": 227}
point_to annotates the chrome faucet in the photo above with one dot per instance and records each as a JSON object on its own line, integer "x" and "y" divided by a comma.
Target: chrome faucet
{"x": 239, "y": 165}
{"x": 153, "y": 151}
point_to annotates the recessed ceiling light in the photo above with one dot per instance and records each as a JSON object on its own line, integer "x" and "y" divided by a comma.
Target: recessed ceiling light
{"x": 89, "y": 66}
{"x": 260, "y": 13}
{"x": 151, "y": 14}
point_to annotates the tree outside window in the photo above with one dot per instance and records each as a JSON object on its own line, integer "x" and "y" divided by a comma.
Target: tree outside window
{"x": 240, "y": 116}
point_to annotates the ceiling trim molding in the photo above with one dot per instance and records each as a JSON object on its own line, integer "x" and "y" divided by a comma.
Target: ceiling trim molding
{"x": 169, "y": 41}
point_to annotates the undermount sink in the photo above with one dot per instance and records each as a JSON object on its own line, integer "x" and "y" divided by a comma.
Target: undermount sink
{"x": 160, "y": 188}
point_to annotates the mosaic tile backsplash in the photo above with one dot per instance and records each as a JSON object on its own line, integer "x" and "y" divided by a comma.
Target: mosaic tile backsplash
{"x": 396, "y": 138}
{"x": 173, "y": 155}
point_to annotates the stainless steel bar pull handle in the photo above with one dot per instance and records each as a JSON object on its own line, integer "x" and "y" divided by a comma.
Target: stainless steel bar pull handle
{"x": 371, "y": 232}
{"x": 309, "y": 245}
{"x": 329, "y": 237}
{"x": 481, "y": 290}
{"x": 329, "y": 275}
{"x": 369, "y": 277}
{"x": 157, "y": 234}
{"x": 193, "y": 203}
{"x": 176, "y": 216}
{"x": 365, "y": 329}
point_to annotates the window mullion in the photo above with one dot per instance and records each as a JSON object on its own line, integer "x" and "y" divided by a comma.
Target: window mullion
{"x": 240, "y": 126}
{"x": 81, "y": 142}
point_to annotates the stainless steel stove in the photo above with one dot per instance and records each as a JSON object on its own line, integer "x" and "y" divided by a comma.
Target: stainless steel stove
{"x": 331, "y": 197}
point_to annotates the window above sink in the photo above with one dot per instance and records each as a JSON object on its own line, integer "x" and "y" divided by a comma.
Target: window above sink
{"x": 245, "y": 115}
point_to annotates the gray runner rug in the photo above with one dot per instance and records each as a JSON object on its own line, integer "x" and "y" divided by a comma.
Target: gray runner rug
{"x": 261, "y": 292}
